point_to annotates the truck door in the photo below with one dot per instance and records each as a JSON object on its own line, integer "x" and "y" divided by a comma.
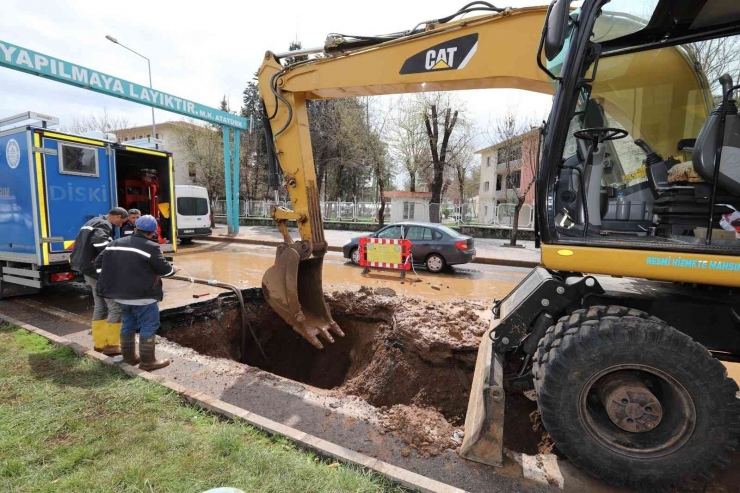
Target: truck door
{"x": 77, "y": 185}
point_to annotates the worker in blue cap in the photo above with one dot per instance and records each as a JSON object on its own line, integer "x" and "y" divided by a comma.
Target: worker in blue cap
{"x": 129, "y": 272}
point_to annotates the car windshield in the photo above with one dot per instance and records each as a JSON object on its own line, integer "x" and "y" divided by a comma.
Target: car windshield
{"x": 449, "y": 231}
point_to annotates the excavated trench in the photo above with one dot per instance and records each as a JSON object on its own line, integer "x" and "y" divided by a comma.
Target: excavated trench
{"x": 411, "y": 358}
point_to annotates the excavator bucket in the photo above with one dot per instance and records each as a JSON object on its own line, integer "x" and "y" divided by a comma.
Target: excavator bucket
{"x": 293, "y": 288}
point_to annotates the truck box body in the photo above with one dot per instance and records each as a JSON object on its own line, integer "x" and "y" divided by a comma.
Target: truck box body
{"x": 51, "y": 183}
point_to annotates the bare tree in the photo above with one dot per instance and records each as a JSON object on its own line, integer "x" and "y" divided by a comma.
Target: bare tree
{"x": 204, "y": 149}
{"x": 717, "y": 57}
{"x": 447, "y": 139}
{"x": 516, "y": 142}
{"x": 102, "y": 121}
{"x": 408, "y": 140}
{"x": 463, "y": 161}
{"x": 376, "y": 150}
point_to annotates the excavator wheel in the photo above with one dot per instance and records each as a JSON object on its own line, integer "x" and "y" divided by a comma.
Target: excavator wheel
{"x": 633, "y": 401}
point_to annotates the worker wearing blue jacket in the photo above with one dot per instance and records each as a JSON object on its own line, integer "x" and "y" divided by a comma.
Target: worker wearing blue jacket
{"x": 130, "y": 271}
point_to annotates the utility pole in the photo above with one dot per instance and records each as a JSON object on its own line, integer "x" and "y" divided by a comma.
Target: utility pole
{"x": 149, "y": 64}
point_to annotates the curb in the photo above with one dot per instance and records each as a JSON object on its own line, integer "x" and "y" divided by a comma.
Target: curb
{"x": 305, "y": 441}
{"x": 478, "y": 260}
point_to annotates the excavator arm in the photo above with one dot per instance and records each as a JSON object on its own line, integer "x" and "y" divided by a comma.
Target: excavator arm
{"x": 489, "y": 51}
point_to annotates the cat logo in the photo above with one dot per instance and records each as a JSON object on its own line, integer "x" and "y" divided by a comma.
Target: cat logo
{"x": 450, "y": 55}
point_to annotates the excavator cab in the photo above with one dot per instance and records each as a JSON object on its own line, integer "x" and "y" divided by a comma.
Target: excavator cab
{"x": 620, "y": 331}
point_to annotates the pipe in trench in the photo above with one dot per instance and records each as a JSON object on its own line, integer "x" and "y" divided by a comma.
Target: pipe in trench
{"x": 244, "y": 322}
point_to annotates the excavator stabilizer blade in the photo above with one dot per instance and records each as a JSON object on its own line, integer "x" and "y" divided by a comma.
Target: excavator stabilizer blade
{"x": 293, "y": 288}
{"x": 484, "y": 422}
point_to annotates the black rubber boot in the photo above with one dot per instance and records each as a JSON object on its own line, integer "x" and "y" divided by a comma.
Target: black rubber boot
{"x": 128, "y": 348}
{"x": 148, "y": 361}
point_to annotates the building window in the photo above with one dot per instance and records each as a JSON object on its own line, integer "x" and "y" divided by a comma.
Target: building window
{"x": 485, "y": 210}
{"x": 191, "y": 170}
{"x": 515, "y": 179}
{"x": 141, "y": 136}
{"x": 487, "y": 186}
{"x": 408, "y": 210}
{"x": 510, "y": 152}
{"x": 488, "y": 161}
{"x": 499, "y": 182}
{"x": 156, "y": 136}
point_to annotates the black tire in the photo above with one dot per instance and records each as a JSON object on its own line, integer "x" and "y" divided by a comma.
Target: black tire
{"x": 186, "y": 241}
{"x": 592, "y": 341}
{"x": 435, "y": 263}
{"x": 354, "y": 256}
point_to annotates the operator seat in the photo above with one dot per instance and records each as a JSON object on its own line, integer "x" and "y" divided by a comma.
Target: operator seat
{"x": 685, "y": 206}
{"x": 705, "y": 148}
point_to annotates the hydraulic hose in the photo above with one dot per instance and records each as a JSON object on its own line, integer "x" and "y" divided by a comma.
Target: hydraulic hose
{"x": 244, "y": 323}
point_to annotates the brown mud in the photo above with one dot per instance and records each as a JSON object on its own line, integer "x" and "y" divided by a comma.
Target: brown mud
{"x": 412, "y": 358}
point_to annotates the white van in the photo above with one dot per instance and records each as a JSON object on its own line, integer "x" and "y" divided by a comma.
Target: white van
{"x": 193, "y": 213}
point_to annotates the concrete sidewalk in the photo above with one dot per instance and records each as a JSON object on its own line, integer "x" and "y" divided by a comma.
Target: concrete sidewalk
{"x": 488, "y": 251}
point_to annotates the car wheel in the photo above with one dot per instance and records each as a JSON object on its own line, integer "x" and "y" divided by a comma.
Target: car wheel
{"x": 435, "y": 263}
{"x": 354, "y": 255}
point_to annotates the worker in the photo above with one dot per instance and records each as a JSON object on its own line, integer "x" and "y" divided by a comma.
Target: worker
{"x": 130, "y": 272}
{"x": 128, "y": 228}
{"x": 91, "y": 240}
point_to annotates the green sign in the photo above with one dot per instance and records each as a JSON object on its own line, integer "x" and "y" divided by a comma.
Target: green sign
{"x": 31, "y": 62}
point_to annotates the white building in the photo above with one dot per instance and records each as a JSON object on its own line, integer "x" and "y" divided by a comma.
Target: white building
{"x": 166, "y": 132}
{"x": 409, "y": 206}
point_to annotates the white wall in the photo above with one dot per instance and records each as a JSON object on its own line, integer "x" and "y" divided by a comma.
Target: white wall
{"x": 421, "y": 210}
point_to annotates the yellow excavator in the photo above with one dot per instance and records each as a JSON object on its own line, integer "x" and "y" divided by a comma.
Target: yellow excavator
{"x": 621, "y": 329}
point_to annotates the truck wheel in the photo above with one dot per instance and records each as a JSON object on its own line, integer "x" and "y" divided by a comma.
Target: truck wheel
{"x": 634, "y": 401}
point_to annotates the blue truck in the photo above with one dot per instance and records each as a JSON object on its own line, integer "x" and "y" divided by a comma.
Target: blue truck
{"x": 52, "y": 182}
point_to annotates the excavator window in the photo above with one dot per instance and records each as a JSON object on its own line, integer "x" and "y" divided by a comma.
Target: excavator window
{"x": 648, "y": 186}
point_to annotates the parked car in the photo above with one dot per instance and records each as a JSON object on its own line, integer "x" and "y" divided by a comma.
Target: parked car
{"x": 193, "y": 213}
{"x": 432, "y": 245}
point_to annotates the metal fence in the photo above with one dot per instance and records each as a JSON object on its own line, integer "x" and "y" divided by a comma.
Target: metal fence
{"x": 471, "y": 213}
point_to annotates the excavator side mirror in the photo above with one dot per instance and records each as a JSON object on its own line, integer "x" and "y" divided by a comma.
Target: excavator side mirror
{"x": 557, "y": 24}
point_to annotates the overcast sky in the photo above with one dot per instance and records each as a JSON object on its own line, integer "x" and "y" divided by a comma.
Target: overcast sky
{"x": 199, "y": 50}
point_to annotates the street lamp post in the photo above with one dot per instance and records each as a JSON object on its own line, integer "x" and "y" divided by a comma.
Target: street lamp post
{"x": 149, "y": 64}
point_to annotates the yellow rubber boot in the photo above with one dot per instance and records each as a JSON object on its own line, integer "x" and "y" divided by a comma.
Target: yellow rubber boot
{"x": 112, "y": 339}
{"x": 99, "y": 334}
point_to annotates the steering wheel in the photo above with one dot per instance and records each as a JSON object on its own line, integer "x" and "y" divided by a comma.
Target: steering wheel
{"x": 600, "y": 134}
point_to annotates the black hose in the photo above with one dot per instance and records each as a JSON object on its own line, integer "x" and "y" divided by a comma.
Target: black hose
{"x": 244, "y": 322}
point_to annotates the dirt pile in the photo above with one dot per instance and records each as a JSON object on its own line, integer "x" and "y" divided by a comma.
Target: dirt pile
{"x": 425, "y": 430}
{"x": 422, "y": 353}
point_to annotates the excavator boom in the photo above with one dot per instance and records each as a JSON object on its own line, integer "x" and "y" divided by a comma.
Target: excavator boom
{"x": 488, "y": 51}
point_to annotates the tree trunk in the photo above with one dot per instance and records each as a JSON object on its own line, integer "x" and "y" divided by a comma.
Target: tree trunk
{"x": 412, "y": 181}
{"x": 515, "y": 221}
{"x": 381, "y": 188}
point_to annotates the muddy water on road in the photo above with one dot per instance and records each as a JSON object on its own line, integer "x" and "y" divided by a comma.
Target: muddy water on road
{"x": 245, "y": 267}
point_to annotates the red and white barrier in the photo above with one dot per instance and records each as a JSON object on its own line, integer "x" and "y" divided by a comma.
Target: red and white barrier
{"x": 395, "y": 254}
